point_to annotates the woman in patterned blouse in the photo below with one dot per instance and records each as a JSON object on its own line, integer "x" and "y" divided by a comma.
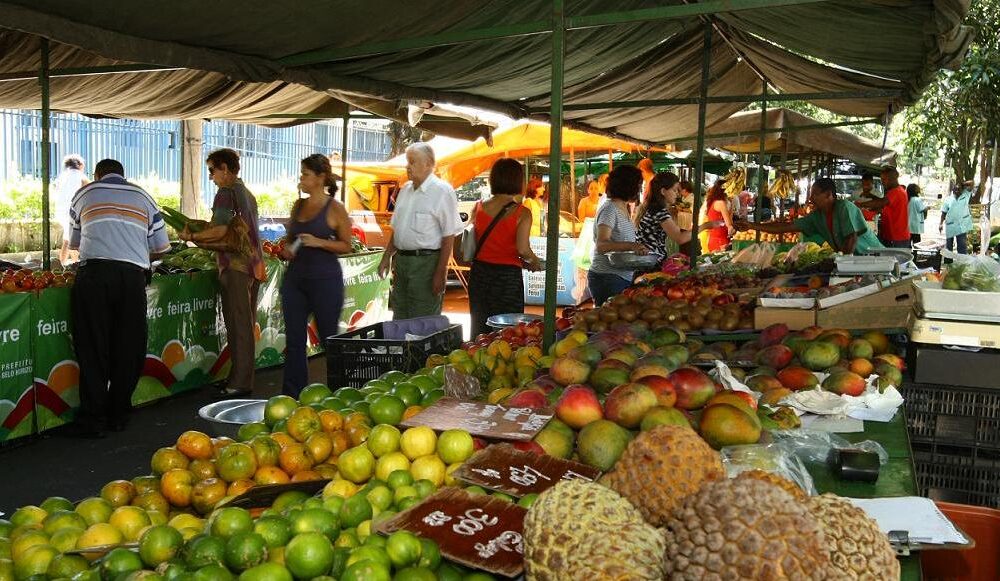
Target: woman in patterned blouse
{"x": 653, "y": 221}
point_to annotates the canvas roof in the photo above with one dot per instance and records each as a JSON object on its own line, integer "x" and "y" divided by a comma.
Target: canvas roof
{"x": 281, "y": 47}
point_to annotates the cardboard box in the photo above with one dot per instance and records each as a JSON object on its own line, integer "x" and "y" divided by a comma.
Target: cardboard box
{"x": 796, "y": 319}
{"x": 888, "y": 308}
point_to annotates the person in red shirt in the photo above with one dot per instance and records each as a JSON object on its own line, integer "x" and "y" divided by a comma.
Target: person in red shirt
{"x": 894, "y": 224}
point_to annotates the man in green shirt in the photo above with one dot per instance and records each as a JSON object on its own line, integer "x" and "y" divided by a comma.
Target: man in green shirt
{"x": 839, "y": 223}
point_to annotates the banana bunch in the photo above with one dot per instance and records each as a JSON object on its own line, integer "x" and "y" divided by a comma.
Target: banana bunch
{"x": 736, "y": 181}
{"x": 783, "y": 185}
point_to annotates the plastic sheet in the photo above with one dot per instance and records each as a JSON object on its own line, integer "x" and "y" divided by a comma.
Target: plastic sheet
{"x": 773, "y": 457}
{"x": 815, "y": 446}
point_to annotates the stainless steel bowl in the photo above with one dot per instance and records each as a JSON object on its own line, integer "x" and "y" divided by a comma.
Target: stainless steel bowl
{"x": 631, "y": 260}
{"x": 226, "y": 417}
{"x": 510, "y": 320}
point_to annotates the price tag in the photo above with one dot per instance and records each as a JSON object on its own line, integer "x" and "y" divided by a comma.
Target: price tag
{"x": 478, "y": 531}
{"x": 492, "y": 421}
{"x": 507, "y": 469}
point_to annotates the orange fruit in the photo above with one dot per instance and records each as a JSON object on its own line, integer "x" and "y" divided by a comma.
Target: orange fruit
{"x": 306, "y": 475}
{"x": 152, "y": 501}
{"x": 270, "y": 475}
{"x": 266, "y": 449}
{"x": 219, "y": 443}
{"x": 282, "y": 439}
{"x": 331, "y": 420}
{"x": 177, "y": 486}
{"x": 303, "y": 423}
{"x": 99, "y": 535}
{"x": 320, "y": 445}
{"x": 144, "y": 484}
{"x": 118, "y": 492}
{"x": 167, "y": 459}
{"x": 202, "y": 469}
{"x": 357, "y": 434}
{"x": 355, "y": 418}
{"x": 325, "y": 470}
{"x": 207, "y": 493}
{"x": 295, "y": 458}
{"x": 412, "y": 411}
{"x": 238, "y": 487}
{"x": 236, "y": 462}
{"x": 130, "y": 520}
{"x": 195, "y": 445}
{"x": 341, "y": 442}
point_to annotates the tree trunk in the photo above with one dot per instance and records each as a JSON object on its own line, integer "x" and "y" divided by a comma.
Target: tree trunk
{"x": 192, "y": 164}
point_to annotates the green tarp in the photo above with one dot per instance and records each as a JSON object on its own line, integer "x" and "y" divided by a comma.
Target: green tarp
{"x": 844, "y": 45}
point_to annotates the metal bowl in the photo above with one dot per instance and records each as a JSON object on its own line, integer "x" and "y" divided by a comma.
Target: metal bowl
{"x": 226, "y": 417}
{"x": 632, "y": 261}
{"x": 510, "y": 320}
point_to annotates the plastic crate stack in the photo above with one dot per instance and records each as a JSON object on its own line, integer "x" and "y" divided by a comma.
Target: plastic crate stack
{"x": 955, "y": 436}
{"x": 359, "y": 356}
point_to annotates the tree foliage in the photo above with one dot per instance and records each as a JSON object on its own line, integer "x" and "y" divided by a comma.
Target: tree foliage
{"x": 959, "y": 113}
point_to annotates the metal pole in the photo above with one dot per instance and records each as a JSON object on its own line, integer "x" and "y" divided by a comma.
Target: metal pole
{"x": 343, "y": 157}
{"x": 572, "y": 182}
{"x": 761, "y": 176}
{"x": 43, "y": 79}
{"x": 699, "y": 172}
{"x": 555, "y": 163}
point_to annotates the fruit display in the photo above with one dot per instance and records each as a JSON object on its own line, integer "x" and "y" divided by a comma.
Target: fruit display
{"x": 274, "y": 248}
{"x": 979, "y": 274}
{"x": 815, "y": 287}
{"x": 783, "y": 186}
{"x": 857, "y": 548}
{"x": 735, "y": 181}
{"x": 26, "y": 280}
{"x": 685, "y": 305}
{"x": 187, "y": 259}
{"x": 751, "y": 235}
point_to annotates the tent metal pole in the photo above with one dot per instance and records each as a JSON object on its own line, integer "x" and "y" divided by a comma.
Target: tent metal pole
{"x": 87, "y": 71}
{"x": 699, "y": 180}
{"x": 343, "y": 157}
{"x": 46, "y": 151}
{"x": 572, "y": 183}
{"x": 555, "y": 167}
{"x": 761, "y": 176}
{"x": 779, "y": 97}
{"x": 668, "y": 12}
{"x": 809, "y": 127}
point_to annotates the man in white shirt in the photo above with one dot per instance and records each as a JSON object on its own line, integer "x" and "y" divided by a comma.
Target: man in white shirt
{"x": 424, "y": 226}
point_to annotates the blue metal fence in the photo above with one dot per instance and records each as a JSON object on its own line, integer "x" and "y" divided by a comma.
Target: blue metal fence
{"x": 148, "y": 148}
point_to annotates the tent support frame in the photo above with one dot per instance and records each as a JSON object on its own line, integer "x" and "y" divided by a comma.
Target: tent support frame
{"x": 555, "y": 170}
{"x": 46, "y": 152}
{"x": 699, "y": 183}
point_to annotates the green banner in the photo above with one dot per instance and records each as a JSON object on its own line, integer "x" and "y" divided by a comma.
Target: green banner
{"x": 17, "y": 404}
{"x": 57, "y": 375}
{"x": 182, "y": 344}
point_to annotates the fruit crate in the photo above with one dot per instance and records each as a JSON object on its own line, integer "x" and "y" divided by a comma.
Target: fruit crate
{"x": 979, "y": 563}
{"x": 951, "y": 415}
{"x": 962, "y": 474}
{"x": 357, "y": 357}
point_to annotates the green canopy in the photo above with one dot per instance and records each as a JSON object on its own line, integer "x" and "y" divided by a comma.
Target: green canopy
{"x": 311, "y": 55}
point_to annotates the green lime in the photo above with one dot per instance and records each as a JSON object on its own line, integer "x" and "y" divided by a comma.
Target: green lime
{"x": 314, "y": 393}
{"x": 289, "y": 498}
{"x": 276, "y": 530}
{"x": 348, "y": 394}
{"x": 430, "y": 554}
{"x": 65, "y": 566}
{"x": 380, "y": 497}
{"x": 361, "y": 406}
{"x": 245, "y": 550}
{"x": 437, "y": 374}
{"x": 333, "y": 403}
{"x": 204, "y": 550}
{"x": 280, "y": 426}
{"x": 399, "y": 478}
{"x": 309, "y": 555}
{"x": 333, "y": 503}
{"x": 407, "y": 503}
{"x": 212, "y": 572}
{"x": 119, "y": 562}
{"x": 404, "y": 549}
{"x": 315, "y": 520}
{"x": 355, "y": 511}
{"x": 52, "y": 504}
{"x": 366, "y": 570}
{"x": 415, "y": 574}
{"x": 424, "y": 488}
{"x": 230, "y": 521}
{"x": 393, "y": 377}
{"x": 370, "y": 553}
{"x": 248, "y": 431}
{"x": 503, "y": 497}
{"x": 475, "y": 490}
{"x": 377, "y": 385}
{"x": 448, "y": 572}
{"x": 266, "y": 572}
{"x": 348, "y": 539}
{"x": 374, "y": 541}
{"x": 408, "y": 392}
{"x": 431, "y": 397}
{"x": 159, "y": 544}
{"x": 478, "y": 576}
{"x": 383, "y": 439}
{"x": 175, "y": 572}
{"x": 340, "y": 556}
{"x": 312, "y": 502}
{"x": 387, "y": 409}
{"x": 425, "y": 383}
{"x": 405, "y": 492}
{"x": 383, "y": 516}
{"x": 371, "y": 396}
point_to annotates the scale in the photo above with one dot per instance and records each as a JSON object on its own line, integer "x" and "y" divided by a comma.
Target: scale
{"x": 960, "y": 330}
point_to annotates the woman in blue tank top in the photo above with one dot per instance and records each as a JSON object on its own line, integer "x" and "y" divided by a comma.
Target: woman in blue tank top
{"x": 314, "y": 283}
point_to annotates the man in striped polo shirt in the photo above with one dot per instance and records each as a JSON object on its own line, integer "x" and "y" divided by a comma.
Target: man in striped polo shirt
{"x": 118, "y": 229}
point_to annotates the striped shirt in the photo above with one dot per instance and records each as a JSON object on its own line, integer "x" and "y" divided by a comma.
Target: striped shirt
{"x": 112, "y": 219}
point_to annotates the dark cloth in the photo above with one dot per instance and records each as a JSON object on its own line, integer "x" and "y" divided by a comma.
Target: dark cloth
{"x": 963, "y": 243}
{"x": 300, "y": 296}
{"x": 313, "y": 262}
{"x": 914, "y": 238}
{"x": 108, "y": 304}
{"x": 494, "y": 289}
{"x": 412, "y": 293}
{"x": 897, "y": 244}
{"x": 603, "y": 286}
{"x": 239, "y": 310}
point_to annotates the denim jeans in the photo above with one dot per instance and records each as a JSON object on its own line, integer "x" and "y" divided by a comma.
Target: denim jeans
{"x": 603, "y": 286}
{"x": 963, "y": 243}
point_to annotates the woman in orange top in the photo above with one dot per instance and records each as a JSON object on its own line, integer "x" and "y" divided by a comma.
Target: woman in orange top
{"x": 588, "y": 205}
{"x": 721, "y": 217}
{"x": 495, "y": 283}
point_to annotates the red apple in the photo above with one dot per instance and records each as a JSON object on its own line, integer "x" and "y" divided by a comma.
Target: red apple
{"x": 528, "y": 398}
{"x": 578, "y": 406}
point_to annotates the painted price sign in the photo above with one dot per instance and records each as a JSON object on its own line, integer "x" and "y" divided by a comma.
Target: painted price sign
{"x": 478, "y": 531}
{"x": 482, "y": 419}
{"x": 518, "y": 473}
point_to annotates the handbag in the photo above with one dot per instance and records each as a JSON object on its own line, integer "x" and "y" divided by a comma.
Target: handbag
{"x": 236, "y": 240}
{"x": 468, "y": 245}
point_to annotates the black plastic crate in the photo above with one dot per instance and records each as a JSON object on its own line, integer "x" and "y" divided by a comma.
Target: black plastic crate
{"x": 949, "y": 415}
{"x": 357, "y": 357}
{"x": 962, "y": 474}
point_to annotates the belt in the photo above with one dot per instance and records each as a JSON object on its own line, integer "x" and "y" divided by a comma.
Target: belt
{"x": 115, "y": 263}
{"x": 421, "y": 252}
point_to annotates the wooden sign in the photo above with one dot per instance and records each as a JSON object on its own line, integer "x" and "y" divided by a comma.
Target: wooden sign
{"x": 482, "y": 419}
{"x": 264, "y": 496}
{"x": 518, "y": 473}
{"x": 475, "y": 530}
